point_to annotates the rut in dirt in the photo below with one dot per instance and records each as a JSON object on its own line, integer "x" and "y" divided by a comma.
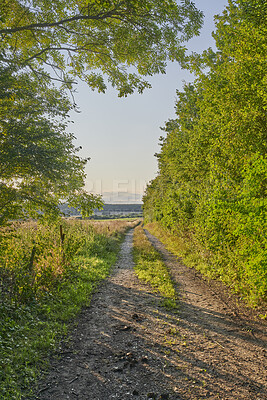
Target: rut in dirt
{"x": 127, "y": 346}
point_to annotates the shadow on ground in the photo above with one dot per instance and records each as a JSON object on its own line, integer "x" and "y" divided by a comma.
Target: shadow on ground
{"x": 127, "y": 346}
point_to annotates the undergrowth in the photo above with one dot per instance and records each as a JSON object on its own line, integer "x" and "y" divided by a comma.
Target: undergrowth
{"x": 150, "y": 268}
{"x": 40, "y": 295}
{"x": 182, "y": 245}
{"x": 209, "y": 264}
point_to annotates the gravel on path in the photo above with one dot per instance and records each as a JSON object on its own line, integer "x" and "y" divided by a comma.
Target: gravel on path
{"x": 127, "y": 346}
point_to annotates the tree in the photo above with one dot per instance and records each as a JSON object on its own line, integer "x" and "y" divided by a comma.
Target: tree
{"x": 62, "y": 40}
{"x": 39, "y": 164}
{"x": 92, "y": 38}
{"x": 213, "y": 163}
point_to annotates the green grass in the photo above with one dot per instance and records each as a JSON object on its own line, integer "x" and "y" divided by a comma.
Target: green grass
{"x": 150, "y": 268}
{"x": 32, "y": 328}
{"x": 212, "y": 266}
{"x": 184, "y": 246}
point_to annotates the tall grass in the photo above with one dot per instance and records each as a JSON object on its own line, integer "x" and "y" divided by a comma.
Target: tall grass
{"x": 45, "y": 279}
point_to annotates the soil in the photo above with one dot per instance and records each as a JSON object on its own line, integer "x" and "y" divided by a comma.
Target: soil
{"x": 126, "y": 345}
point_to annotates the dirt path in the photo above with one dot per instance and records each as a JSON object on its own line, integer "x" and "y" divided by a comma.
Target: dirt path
{"x": 126, "y": 346}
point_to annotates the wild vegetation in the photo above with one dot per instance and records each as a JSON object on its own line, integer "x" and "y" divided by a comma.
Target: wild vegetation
{"x": 211, "y": 187}
{"x": 210, "y": 194}
{"x": 116, "y": 43}
{"x": 47, "y": 274}
{"x": 150, "y": 268}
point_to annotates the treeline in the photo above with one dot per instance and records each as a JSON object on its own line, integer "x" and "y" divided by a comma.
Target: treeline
{"x": 45, "y": 49}
{"x": 211, "y": 186}
{"x": 107, "y": 208}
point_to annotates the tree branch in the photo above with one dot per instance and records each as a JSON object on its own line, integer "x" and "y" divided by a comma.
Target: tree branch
{"x": 43, "y": 74}
{"x": 80, "y": 17}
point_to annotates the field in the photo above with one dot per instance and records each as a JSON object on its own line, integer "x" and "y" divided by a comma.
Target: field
{"x": 47, "y": 274}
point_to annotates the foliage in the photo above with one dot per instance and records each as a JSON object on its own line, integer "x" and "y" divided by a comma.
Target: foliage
{"x": 185, "y": 245}
{"x": 61, "y": 41}
{"x": 39, "y": 164}
{"x": 212, "y": 180}
{"x": 39, "y": 299}
{"x": 150, "y": 268}
{"x": 89, "y": 39}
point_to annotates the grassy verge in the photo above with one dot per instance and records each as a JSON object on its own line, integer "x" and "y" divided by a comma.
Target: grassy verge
{"x": 212, "y": 266}
{"x": 182, "y": 246}
{"x": 150, "y": 268}
{"x": 35, "y": 311}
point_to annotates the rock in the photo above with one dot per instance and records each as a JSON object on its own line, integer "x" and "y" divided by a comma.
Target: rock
{"x": 135, "y": 393}
{"x": 152, "y": 395}
{"x": 118, "y": 369}
{"x": 133, "y": 363}
{"x": 125, "y": 328}
{"x": 144, "y": 359}
{"x": 137, "y": 317}
{"x": 164, "y": 396}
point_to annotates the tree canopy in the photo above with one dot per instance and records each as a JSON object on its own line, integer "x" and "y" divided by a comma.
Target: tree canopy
{"x": 40, "y": 166}
{"x": 119, "y": 42}
{"x": 92, "y": 38}
{"x": 212, "y": 165}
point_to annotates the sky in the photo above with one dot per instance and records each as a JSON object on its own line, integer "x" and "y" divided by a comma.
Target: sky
{"x": 121, "y": 135}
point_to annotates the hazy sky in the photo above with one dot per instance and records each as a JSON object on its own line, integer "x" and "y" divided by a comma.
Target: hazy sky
{"x": 121, "y": 134}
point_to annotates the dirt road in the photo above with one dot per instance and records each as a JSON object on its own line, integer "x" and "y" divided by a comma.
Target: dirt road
{"x": 127, "y": 346}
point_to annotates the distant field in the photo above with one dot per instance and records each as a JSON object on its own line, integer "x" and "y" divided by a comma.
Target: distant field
{"x": 109, "y": 211}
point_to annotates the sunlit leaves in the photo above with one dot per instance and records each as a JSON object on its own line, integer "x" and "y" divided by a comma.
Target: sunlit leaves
{"x": 81, "y": 37}
{"x": 212, "y": 164}
{"x": 112, "y": 42}
{"x": 39, "y": 164}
